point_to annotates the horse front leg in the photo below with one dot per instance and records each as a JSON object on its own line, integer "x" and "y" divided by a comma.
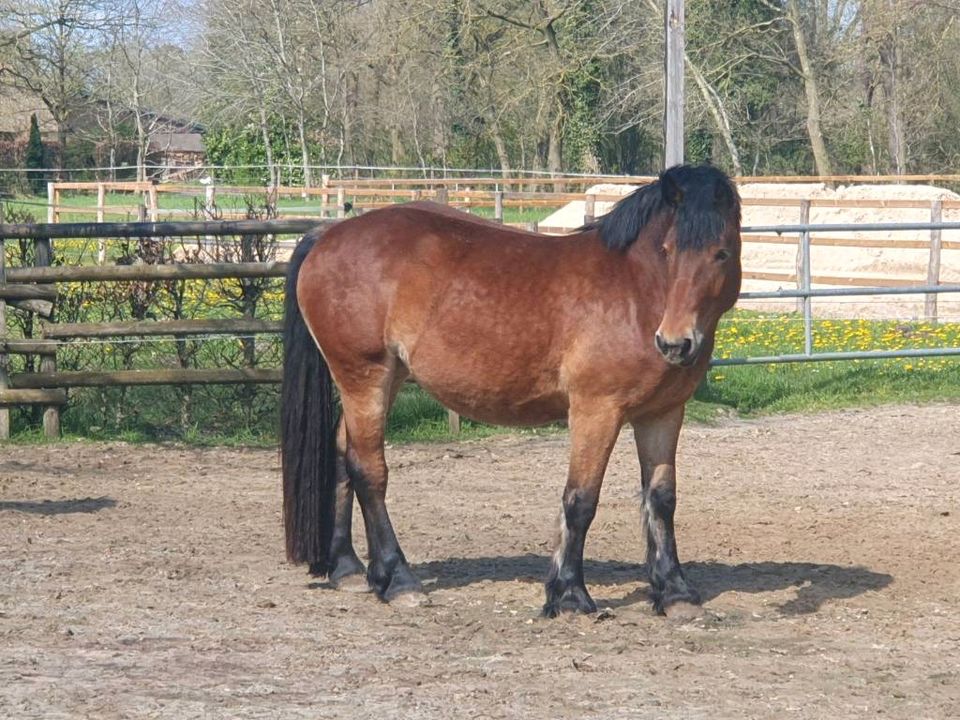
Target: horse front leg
{"x": 593, "y": 433}
{"x": 656, "y": 440}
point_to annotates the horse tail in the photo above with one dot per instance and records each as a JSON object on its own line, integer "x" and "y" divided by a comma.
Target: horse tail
{"x": 308, "y": 419}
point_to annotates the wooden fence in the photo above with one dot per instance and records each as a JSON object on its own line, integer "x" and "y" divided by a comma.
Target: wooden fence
{"x": 34, "y": 289}
{"x": 366, "y": 194}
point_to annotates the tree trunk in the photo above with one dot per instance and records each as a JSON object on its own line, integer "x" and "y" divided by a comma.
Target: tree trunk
{"x": 62, "y": 142}
{"x": 304, "y": 150}
{"x": 141, "y": 148}
{"x": 350, "y": 95}
{"x": 555, "y": 152}
{"x": 501, "y": 147}
{"x": 268, "y": 146}
{"x": 820, "y": 157}
{"x": 717, "y": 112}
{"x": 889, "y": 62}
{"x": 396, "y": 147}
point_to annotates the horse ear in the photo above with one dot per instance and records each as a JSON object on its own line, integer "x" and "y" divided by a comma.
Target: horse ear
{"x": 670, "y": 189}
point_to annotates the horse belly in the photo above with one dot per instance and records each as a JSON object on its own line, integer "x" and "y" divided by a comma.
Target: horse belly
{"x": 483, "y": 385}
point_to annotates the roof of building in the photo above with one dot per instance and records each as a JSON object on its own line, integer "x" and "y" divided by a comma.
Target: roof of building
{"x": 176, "y": 142}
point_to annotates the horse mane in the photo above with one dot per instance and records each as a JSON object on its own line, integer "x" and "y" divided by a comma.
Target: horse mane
{"x": 703, "y": 198}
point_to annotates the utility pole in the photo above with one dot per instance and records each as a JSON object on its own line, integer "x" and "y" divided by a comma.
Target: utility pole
{"x": 673, "y": 84}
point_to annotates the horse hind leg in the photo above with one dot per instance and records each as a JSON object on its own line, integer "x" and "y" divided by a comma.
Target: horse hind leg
{"x": 347, "y": 570}
{"x": 365, "y": 410}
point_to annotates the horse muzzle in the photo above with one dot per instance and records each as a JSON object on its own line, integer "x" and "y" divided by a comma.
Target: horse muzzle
{"x": 682, "y": 350}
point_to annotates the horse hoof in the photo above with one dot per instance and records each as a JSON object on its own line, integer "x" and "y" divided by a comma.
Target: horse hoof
{"x": 409, "y": 600}
{"x": 574, "y": 601}
{"x": 681, "y": 610}
{"x": 550, "y": 610}
{"x": 355, "y": 583}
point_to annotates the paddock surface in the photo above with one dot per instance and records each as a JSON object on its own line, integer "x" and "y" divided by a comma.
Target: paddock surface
{"x": 148, "y": 581}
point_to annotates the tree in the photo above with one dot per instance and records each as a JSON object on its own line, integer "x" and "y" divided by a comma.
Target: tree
{"x": 50, "y": 43}
{"x": 34, "y": 158}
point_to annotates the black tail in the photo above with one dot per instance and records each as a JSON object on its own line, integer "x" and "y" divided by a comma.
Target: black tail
{"x": 308, "y": 417}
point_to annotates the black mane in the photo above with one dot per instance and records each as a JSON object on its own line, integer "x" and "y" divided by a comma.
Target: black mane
{"x": 702, "y": 196}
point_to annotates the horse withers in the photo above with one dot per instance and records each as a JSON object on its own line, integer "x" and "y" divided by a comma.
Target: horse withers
{"x": 613, "y": 324}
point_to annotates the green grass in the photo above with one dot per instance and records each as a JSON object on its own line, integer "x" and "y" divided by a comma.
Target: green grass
{"x": 417, "y": 417}
{"x": 225, "y": 416}
{"x": 804, "y": 387}
{"x": 749, "y": 391}
{"x": 226, "y": 202}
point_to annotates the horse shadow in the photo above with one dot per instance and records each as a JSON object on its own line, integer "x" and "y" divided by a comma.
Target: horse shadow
{"x": 58, "y": 507}
{"x": 816, "y": 583}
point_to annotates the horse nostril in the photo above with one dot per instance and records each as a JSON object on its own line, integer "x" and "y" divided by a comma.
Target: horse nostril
{"x": 661, "y": 345}
{"x": 686, "y": 348}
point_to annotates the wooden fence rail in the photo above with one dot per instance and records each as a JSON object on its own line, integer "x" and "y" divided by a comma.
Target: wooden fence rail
{"x": 496, "y": 193}
{"x": 172, "y": 271}
{"x": 148, "y": 328}
{"x": 171, "y": 376}
{"x": 47, "y": 387}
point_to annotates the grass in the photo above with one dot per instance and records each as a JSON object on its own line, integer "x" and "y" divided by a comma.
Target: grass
{"x": 740, "y": 391}
{"x": 227, "y": 416}
{"x": 804, "y": 387}
{"x": 750, "y": 391}
{"x": 37, "y": 205}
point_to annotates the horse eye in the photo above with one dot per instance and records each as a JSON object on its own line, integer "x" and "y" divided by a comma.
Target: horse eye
{"x": 722, "y": 255}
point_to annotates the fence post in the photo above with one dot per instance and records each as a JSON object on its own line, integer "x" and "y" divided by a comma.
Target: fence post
{"x": 804, "y": 277}
{"x": 51, "y": 413}
{"x": 154, "y": 203}
{"x": 341, "y": 202}
{"x": 442, "y": 196}
{"x": 52, "y": 202}
{"x": 804, "y": 220}
{"x": 101, "y": 201}
{"x": 933, "y": 266}
{"x": 498, "y": 206}
{"x": 4, "y": 377}
{"x": 589, "y": 208}
{"x": 453, "y": 422}
{"x": 101, "y": 214}
{"x": 43, "y": 257}
{"x": 210, "y": 197}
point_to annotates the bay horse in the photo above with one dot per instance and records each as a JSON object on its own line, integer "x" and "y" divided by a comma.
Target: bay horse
{"x": 611, "y": 325}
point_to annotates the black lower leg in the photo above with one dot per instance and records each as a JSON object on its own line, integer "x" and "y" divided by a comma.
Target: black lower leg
{"x": 344, "y": 561}
{"x": 387, "y": 572}
{"x": 565, "y": 587}
{"x": 668, "y": 583}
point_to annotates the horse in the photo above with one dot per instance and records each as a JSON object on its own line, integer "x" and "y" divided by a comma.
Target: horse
{"x": 613, "y": 324}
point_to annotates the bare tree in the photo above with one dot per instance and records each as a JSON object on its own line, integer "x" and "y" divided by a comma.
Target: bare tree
{"x": 48, "y": 44}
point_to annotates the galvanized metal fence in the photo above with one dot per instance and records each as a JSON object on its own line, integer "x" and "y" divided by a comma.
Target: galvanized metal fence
{"x": 807, "y": 293}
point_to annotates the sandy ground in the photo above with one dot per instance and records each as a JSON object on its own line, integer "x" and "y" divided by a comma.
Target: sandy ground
{"x": 149, "y": 582}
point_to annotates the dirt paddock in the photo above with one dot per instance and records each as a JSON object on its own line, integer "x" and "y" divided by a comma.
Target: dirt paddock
{"x": 149, "y": 582}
